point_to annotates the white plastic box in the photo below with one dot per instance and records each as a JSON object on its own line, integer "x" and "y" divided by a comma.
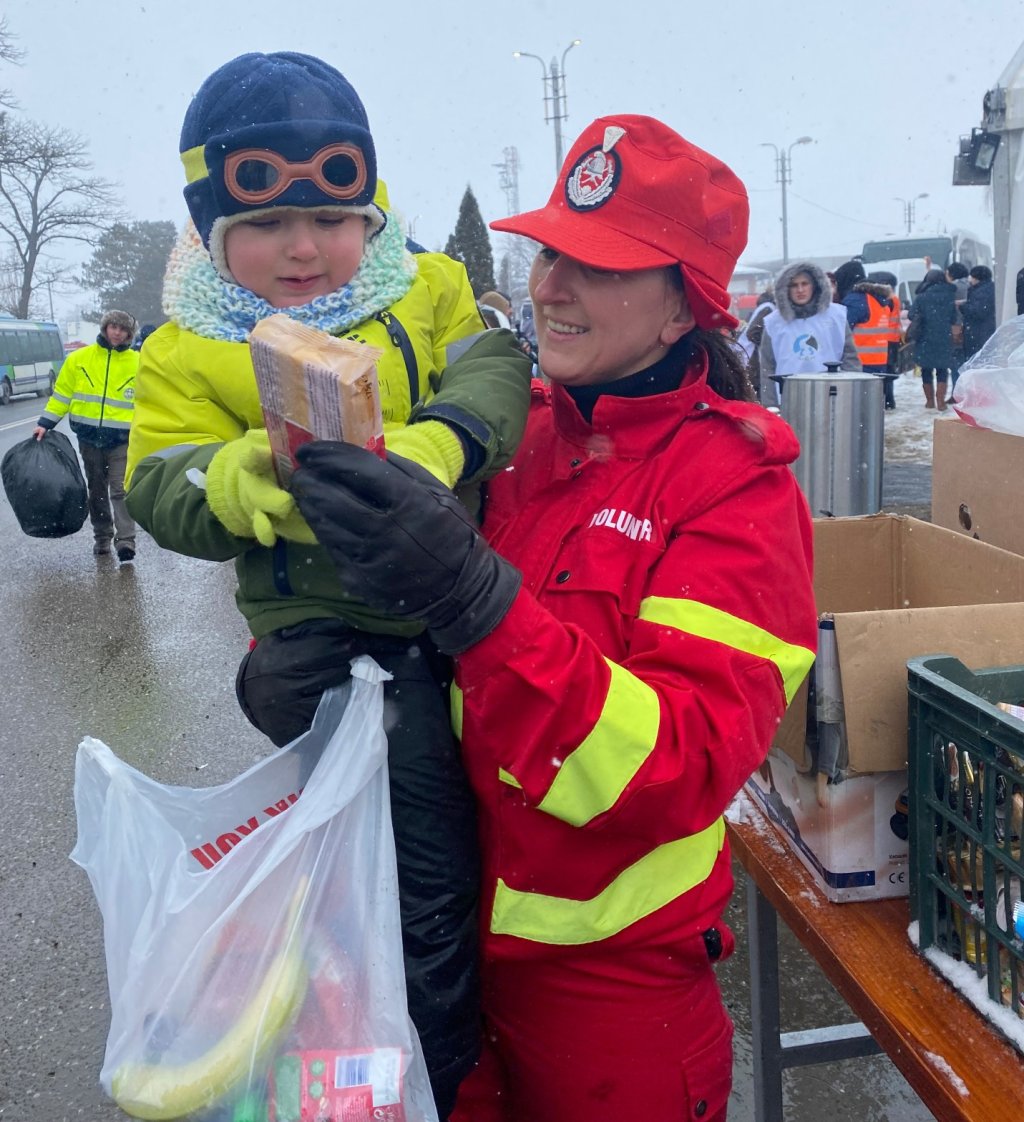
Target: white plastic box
{"x": 843, "y": 832}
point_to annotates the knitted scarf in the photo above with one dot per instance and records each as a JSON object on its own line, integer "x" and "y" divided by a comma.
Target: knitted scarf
{"x": 197, "y": 298}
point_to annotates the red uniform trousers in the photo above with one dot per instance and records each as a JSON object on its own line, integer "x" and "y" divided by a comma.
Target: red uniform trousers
{"x": 641, "y": 1034}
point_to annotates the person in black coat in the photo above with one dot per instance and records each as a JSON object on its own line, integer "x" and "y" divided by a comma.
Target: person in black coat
{"x": 932, "y": 316}
{"x": 979, "y": 309}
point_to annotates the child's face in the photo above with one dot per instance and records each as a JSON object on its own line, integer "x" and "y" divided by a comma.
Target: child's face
{"x": 291, "y": 255}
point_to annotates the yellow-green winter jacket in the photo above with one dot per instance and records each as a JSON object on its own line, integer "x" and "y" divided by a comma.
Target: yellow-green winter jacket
{"x": 194, "y": 394}
{"x": 96, "y": 388}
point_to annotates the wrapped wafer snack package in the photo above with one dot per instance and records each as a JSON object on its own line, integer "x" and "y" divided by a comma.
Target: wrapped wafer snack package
{"x": 313, "y": 386}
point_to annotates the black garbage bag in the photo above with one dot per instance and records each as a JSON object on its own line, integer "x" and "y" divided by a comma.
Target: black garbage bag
{"x": 45, "y": 486}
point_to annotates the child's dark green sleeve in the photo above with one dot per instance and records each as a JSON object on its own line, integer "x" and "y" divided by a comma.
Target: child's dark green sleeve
{"x": 484, "y": 395}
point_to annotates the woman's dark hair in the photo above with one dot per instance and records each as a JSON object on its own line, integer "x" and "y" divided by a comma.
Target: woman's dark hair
{"x": 727, "y": 372}
{"x": 981, "y": 273}
{"x": 933, "y": 276}
{"x": 957, "y": 270}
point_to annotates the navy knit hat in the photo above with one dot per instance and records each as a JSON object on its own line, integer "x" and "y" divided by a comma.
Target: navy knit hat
{"x": 281, "y": 129}
{"x": 847, "y": 275}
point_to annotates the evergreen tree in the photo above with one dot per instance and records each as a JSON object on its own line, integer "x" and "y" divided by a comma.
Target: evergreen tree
{"x": 471, "y": 244}
{"x": 127, "y": 268}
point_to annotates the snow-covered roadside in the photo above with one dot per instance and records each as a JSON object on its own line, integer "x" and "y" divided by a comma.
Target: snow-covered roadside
{"x": 908, "y": 427}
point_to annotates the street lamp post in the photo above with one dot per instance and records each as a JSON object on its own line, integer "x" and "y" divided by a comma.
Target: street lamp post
{"x": 910, "y": 208}
{"x": 555, "y": 110}
{"x": 783, "y": 175}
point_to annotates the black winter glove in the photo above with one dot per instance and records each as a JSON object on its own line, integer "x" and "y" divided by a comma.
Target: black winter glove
{"x": 402, "y": 543}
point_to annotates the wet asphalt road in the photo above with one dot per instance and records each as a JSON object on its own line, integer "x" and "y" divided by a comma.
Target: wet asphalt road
{"x": 143, "y": 658}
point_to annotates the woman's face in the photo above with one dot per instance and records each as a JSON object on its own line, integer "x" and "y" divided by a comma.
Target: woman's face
{"x": 596, "y": 326}
{"x": 801, "y": 289}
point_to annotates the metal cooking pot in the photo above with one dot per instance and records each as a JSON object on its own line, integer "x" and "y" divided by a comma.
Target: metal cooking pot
{"x": 839, "y": 419}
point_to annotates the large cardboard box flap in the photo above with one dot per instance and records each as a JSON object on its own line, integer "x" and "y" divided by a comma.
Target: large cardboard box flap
{"x": 976, "y": 483}
{"x": 898, "y": 588}
{"x": 873, "y": 651}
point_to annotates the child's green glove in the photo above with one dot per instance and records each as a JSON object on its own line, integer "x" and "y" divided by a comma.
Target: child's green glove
{"x": 242, "y": 491}
{"x": 432, "y": 445}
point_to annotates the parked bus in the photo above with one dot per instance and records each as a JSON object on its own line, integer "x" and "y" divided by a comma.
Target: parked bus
{"x": 30, "y": 357}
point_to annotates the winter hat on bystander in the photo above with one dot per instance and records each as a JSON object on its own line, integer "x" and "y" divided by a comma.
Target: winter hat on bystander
{"x": 847, "y": 275}
{"x": 121, "y": 319}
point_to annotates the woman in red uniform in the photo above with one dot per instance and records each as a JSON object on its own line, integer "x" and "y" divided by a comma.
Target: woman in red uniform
{"x": 628, "y": 632}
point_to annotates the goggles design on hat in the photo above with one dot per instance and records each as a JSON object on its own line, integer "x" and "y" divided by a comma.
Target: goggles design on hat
{"x": 256, "y": 176}
{"x": 308, "y": 164}
{"x": 280, "y": 129}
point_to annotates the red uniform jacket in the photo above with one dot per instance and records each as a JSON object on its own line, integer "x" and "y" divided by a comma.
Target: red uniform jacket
{"x": 666, "y": 617}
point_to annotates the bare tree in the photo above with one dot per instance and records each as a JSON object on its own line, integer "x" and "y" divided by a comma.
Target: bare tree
{"x": 10, "y": 273}
{"x": 8, "y": 53}
{"x": 46, "y": 196}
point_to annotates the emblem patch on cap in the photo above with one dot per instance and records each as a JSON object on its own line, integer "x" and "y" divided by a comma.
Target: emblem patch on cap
{"x": 593, "y": 180}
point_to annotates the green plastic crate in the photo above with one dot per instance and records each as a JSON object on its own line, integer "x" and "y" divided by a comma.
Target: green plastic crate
{"x": 966, "y": 806}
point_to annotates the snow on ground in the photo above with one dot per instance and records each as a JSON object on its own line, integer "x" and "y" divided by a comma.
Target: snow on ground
{"x": 908, "y": 427}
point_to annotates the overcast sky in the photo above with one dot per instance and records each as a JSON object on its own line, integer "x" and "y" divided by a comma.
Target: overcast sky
{"x": 885, "y": 91}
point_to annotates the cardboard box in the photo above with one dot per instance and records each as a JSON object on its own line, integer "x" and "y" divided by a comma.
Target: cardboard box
{"x": 976, "y": 483}
{"x": 897, "y": 588}
{"x": 889, "y": 588}
{"x": 852, "y": 836}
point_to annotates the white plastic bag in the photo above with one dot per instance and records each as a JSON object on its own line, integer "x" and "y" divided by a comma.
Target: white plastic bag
{"x": 990, "y": 386}
{"x": 252, "y": 936}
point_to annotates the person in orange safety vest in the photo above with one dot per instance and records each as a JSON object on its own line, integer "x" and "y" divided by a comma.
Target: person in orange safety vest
{"x": 868, "y": 310}
{"x": 895, "y": 336}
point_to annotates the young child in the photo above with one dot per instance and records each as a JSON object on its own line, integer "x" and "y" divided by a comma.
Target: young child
{"x": 288, "y": 216}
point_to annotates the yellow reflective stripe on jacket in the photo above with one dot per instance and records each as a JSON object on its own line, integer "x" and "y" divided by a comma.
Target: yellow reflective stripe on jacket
{"x": 657, "y": 879}
{"x": 593, "y": 776}
{"x": 456, "y": 706}
{"x": 97, "y": 399}
{"x": 706, "y": 622}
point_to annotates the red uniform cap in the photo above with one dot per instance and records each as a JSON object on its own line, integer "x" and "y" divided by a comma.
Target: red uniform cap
{"x": 633, "y": 194}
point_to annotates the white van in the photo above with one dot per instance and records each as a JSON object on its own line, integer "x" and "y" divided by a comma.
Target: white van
{"x": 908, "y": 274}
{"x": 938, "y": 251}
